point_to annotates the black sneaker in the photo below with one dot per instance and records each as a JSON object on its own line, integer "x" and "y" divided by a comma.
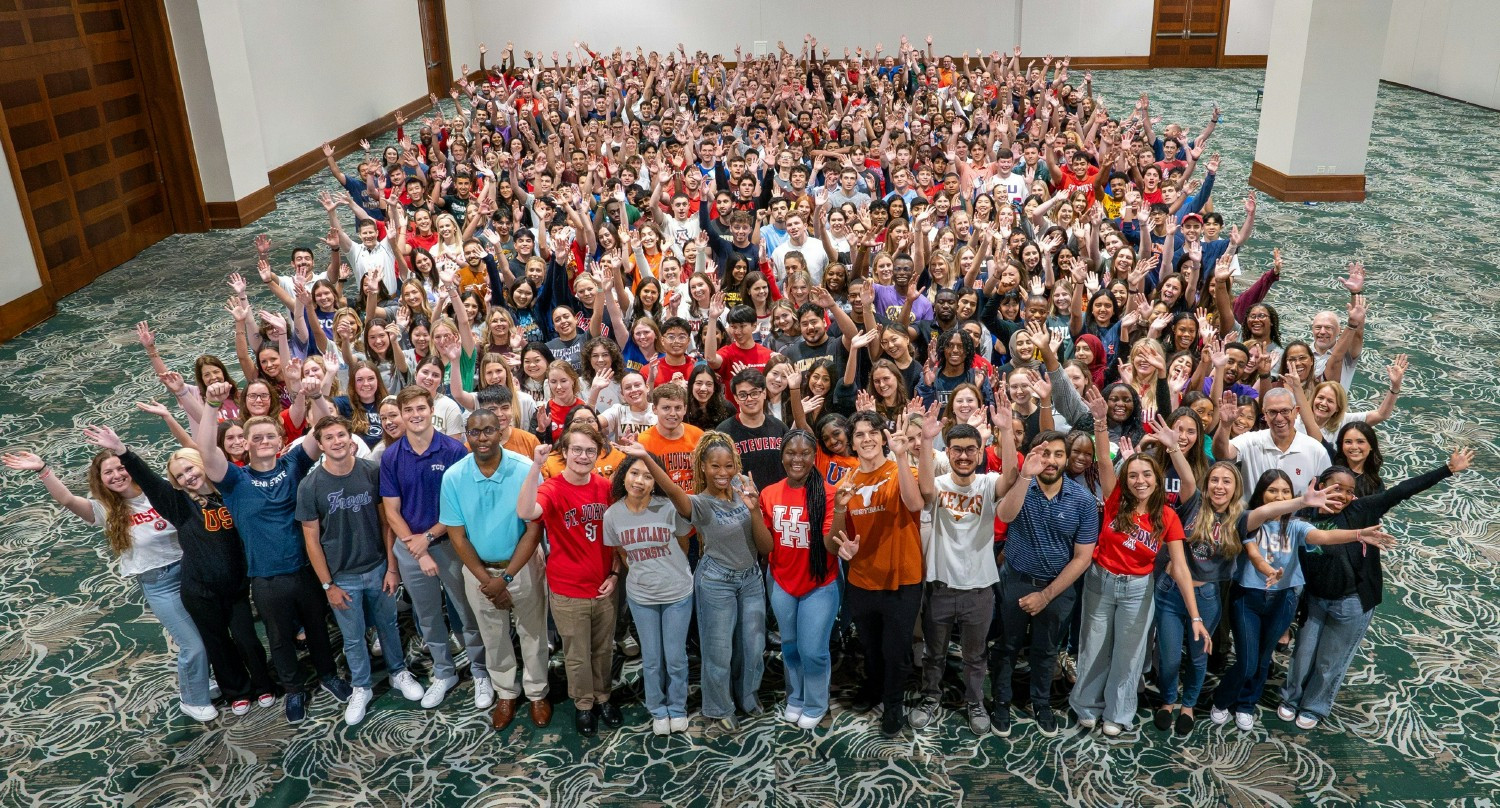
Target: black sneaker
{"x": 337, "y": 688}
{"x": 892, "y": 722}
{"x": 609, "y": 713}
{"x": 1000, "y": 720}
{"x": 586, "y": 724}
{"x": 296, "y": 707}
{"x": 863, "y": 704}
{"x": 1046, "y": 721}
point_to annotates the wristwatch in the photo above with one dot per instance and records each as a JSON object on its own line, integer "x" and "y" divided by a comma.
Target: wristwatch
{"x": 327, "y": 585}
{"x": 507, "y": 577}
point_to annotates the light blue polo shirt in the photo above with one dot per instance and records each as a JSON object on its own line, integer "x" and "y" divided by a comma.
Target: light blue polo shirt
{"x": 485, "y": 507}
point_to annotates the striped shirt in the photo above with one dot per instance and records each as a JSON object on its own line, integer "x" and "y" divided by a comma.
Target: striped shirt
{"x": 1041, "y": 537}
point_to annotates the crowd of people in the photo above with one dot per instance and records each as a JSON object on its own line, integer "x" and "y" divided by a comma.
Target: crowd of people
{"x": 723, "y": 359}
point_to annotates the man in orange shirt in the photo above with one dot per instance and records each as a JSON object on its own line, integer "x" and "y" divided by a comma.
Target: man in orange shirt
{"x": 883, "y": 502}
{"x": 670, "y": 439}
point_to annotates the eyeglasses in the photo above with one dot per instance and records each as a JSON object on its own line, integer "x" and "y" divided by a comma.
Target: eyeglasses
{"x": 964, "y": 451}
{"x": 754, "y": 392}
{"x": 582, "y": 451}
{"x": 257, "y": 396}
{"x": 486, "y": 432}
{"x": 1278, "y": 413}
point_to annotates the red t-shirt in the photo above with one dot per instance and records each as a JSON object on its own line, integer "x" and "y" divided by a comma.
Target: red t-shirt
{"x": 558, "y": 414}
{"x": 573, "y": 516}
{"x": 757, "y": 358}
{"x": 1134, "y": 553}
{"x": 659, "y": 371}
{"x": 1069, "y": 180}
{"x": 785, "y": 510}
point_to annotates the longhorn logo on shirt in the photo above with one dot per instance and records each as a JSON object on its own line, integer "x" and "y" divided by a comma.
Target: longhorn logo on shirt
{"x": 865, "y": 491}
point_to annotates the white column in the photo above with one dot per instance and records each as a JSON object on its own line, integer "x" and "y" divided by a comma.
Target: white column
{"x": 1322, "y": 73}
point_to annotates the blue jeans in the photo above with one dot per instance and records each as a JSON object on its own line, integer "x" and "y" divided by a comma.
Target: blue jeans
{"x": 731, "y": 634}
{"x": 162, "y": 588}
{"x": 1173, "y": 628}
{"x": 1116, "y": 622}
{"x": 663, "y": 630}
{"x": 369, "y": 605}
{"x": 1326, "y": 645}
{"x": 1259, "y": 618}
{"x": 806, "y": 624}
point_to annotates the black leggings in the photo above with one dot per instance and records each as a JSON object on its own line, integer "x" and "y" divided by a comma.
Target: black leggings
{"x": 234, "y": 649}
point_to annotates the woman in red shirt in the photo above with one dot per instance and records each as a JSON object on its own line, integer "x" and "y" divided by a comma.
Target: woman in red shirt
{"x": 1117, "y": 598}
{"x": 805, "y": 533}
{"x": 582, "y": 571}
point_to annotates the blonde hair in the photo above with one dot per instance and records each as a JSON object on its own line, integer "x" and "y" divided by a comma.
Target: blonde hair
{"x": 1202, "y": 533}
{"x": 191, "y": 457}
{"x": 711, "y": 440}
{"x": 1341, "y": 404}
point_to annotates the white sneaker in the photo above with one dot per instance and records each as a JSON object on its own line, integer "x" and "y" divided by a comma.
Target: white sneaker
{"x": 1244, "y": 721}
{"x": 240, "y": 707}
{"x": 1286, "y": 713}
{"x": 205, "y": 713}
{"x": 213, "y": 689}
{"x": 1306, "y": 721}
{"x": 484, "y": 693}
{"x": 407, "y": 684}
{"x": 677, "y": 723}
{"x": 791, "y": 714}
{"x": 1088, "y": 723}
{"x": 437, "y": 690}
{"x": 809, "y": 722}
{"x": 1112, "y": 730}
{"x": 1219, "y": 717}
{"x": 266, "y": 700}
{"x": 660, "y": 726}
{"x": 354, "y": 709}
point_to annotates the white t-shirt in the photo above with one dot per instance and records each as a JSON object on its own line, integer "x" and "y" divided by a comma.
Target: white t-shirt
{"x": 1303, "y": 460}
{"x": 153, "y": 540}
{"x": 960, "y": 551}
{"x": 678, "y": 233}
{"x": 812, "y": 250}
{"x": 380, "y": 260}
{"x": 448, "y": 417}
{"x": 625, "y": 421}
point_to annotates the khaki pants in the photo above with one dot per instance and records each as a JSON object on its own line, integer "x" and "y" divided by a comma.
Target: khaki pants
{"x": 587, "y": 627}
{"x": 528, "y": 593}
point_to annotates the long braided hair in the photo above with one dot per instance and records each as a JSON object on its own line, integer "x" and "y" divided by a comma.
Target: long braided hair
{"x": 817, "y": 506}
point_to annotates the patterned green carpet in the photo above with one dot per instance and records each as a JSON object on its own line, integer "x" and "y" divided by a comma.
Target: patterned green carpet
{"x": 87, "y": 696}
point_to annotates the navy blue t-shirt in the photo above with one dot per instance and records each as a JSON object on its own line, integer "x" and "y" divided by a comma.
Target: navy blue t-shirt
{"x": 264, "y": 505}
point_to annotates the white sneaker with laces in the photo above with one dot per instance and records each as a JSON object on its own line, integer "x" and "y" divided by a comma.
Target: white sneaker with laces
{"x": 436, "y": 691}
{"x": 660, "y": 726}
{"x": 1286, "y": 713}
{"x": 204, "y": 713}
{"x": 809, "y": 722}
{"x": 266, "y": 700}
{"x": 240, "y": 707}
{"x": 484, "y": 693}
{"x": 677, "y": 723}
{"x": 791, "y": 714}
{"x": 405, "y": 682}
{"x": 1218, "y": 716}
{"x": 1112, "y": 730}
{"x": 1244, "y": 721}
{"x": 354, "y": 709}
{"x": 213, "y": 689}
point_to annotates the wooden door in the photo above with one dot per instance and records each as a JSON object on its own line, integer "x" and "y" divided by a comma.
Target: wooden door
{"x": 77, "y": 116}
{"x": 434, "y": 17}
{"x": 1188, "y": 33}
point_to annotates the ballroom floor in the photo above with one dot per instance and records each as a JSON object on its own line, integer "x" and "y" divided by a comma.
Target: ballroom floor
{"x": 88, "y": 711}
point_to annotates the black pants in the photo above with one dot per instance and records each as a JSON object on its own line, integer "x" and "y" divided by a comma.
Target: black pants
{"x": 886, "y": 621}
{"x": 1047, "y": 631}
{"x": 286, "y": 603}
{"x": 234, "y": 649}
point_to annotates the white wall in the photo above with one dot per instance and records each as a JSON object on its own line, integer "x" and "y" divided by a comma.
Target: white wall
{"x": 1447, "y": 47}
{"x": 18, "y": 274}
{"x": 1075, "y": 27}
{"x": 1248, "y": 32}
{"x": 323, "y": 67}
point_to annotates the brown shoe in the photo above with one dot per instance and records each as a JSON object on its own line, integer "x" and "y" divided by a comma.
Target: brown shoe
{"x": 541, "y": 712}
{"x": 503, "y": 714}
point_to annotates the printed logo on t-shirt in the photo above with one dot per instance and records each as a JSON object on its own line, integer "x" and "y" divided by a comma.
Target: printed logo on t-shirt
{"x": 1143, "y": 537}
{"x": 865, "y": 492}
{"x": 157, "y": 523}
{"x": 791, "y": 523}
{"x": 338, "y": 502}
{"x": 654, "y": 537}
{"x": 958, "y": 504}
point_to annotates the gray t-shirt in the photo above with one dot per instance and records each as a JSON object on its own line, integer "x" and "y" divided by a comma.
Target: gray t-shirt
{"x": 1207, "y": 561}
{"x": 724, "y": 529}
{"x": 659, "y": 571}
{"x": 348, "y": 508}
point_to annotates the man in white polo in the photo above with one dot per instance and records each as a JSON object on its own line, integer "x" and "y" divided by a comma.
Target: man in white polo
{"x": 1281, "y": 446}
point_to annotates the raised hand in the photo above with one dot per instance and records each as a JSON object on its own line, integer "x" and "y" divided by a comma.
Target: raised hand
{"x": 1375, "y": 537}
{"x": 1459, "y": 461}
{"x": 1098, "y": 407}
{"x": 23, "y": 461}
{"x": 1164, "y": 433}
{"x": 1035, "y": 462}
{"x": 1397, "y": 372}
{"x": 173, "y": 381}
{"x": 104, "y": 438}
{"x": 864, "y": 402}
{"x": 1355, "y": 282}
{"x": 848, "y": 548}
{"x": 143, "y": 333}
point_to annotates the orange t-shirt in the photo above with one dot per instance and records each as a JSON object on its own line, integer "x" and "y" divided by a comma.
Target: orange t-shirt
{"x": 890, "y": 542}
{"x": 522, "y": 442}
{"x": 676, "y": 455}
{"x": 835, "y": 467}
